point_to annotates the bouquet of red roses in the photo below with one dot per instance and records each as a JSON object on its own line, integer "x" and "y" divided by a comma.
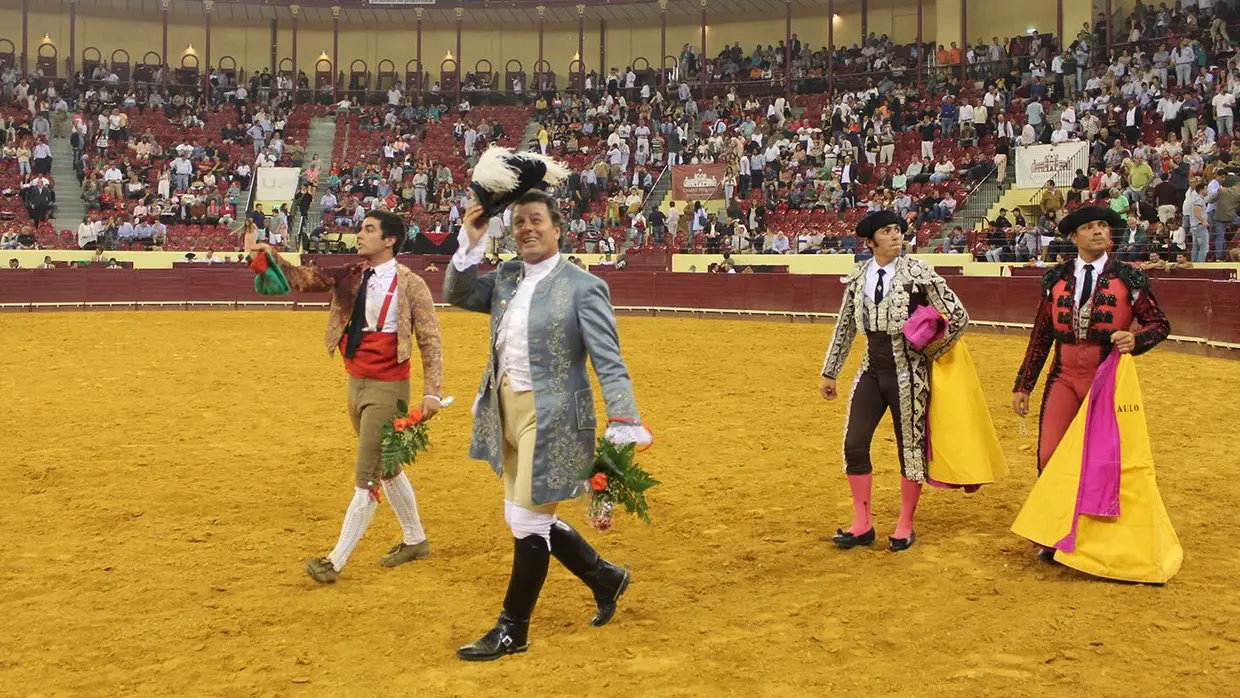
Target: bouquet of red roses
{"x": 403, "y": 438}
{"x": 615, "y": 478}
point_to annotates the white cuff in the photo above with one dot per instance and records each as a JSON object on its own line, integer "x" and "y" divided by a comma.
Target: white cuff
{"x": 466, "y": 256}
{"x": 621, "y": 433}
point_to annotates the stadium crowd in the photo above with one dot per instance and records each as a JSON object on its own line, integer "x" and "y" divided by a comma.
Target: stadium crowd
{"x": 163, "y": 168}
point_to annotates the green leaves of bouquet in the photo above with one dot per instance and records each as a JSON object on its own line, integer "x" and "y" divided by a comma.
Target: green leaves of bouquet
{"x": 403, "y": 438}
{"x": 615, "y": 478}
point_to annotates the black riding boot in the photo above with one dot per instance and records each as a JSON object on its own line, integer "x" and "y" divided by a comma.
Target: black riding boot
{"x": 606, "y": 580}
{"x": 510, "y": 635}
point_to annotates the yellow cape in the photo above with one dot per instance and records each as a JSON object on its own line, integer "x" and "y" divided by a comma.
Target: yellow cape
{"x": 964, "y": 449}
{"x": 1140, "y": 544}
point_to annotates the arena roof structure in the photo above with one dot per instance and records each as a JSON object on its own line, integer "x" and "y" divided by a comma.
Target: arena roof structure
{"x": 406, "y": 11}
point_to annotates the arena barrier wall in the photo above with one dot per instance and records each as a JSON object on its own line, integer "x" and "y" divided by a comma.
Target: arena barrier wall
{"x": 1201, "y": 311}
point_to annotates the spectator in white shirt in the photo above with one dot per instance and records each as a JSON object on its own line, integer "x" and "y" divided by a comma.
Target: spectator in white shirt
{"x": 1224, "y": 104}
{"x": 1183, "y": 57}
{"x": 1067, "y": 119}
{"x": 943, "y": 170}
{"x": 112, "y": 179}
{"x": 86, "y": 235}
{"x": 781, "y": 244}
{"x": 182, "y": 168}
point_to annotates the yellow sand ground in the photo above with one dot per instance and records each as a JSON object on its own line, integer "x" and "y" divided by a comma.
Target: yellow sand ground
{"x": 163, "y": 475}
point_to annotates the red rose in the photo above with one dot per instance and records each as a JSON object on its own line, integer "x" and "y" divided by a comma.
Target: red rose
{"x": 598, "y": 483}
{"x": 415, "y": 416}
{"x": 400, "y": 423}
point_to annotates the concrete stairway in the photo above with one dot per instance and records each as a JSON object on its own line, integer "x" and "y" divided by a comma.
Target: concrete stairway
{"x": 658, "y": 195}
{"x": 662, "y": 187}
{"x": 69, "y": 205}
{"x": 321, "y": 139}
{"x": 529, "y": 135}
{"x": 1013, "y": 198}
{"x": 981, "y": 203}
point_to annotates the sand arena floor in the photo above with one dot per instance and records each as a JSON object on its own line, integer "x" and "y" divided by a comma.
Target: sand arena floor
{"x": 164, "y": 475}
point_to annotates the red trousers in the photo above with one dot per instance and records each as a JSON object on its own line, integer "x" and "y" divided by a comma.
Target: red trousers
{"x": 1068, "y": 386}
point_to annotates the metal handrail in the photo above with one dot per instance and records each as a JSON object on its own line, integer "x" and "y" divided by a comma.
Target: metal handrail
{"x": 662, "y": 173}
{"x": 969, "y": 202}
{"x": 1037, "y": 195}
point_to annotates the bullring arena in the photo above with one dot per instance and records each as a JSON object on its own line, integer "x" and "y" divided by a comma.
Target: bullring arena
{"x": 167, "y": 471}
{"x": 175, "y": 445}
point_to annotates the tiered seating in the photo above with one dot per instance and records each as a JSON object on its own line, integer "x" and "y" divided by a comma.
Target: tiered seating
{"x": 181, "y": 236}
{"x": 438, "y": 145}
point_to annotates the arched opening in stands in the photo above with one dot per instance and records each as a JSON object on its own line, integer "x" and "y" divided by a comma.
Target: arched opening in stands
{"x": 187, "y": 73}
{"x": 91, "y": 58}
{"x": 448, "y": 76}
{"x": 645, "y": 74}
{"x": 145, "y": 71}
{"x": 482, "y": 78}
{"x": 514, "y": 76}
{"x": 544, "y": 76}
{"x": 359, "y": 78}
{"x": 121, "y": 65}
{"x": 227, "y": 65}
{"x": 47, "y": 60}
{"x": 577, "y": 75}
{"x": 323, "y": 74}
{"x": 413, "y": 76}
{"x": 8, "y": 54}
{"x": 669, "y": 69}
{"x": 386, "y": 77}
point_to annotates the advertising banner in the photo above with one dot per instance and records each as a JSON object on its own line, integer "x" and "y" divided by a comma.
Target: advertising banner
{"x": 276, "y": 184}
{"x": 698, "y": 182}
{"x": 1037, "y": 163}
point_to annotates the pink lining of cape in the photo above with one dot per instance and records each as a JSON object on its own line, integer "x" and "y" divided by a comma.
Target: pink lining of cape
{"x": 1098, "y": 491}
{"x": 924, "y": 326}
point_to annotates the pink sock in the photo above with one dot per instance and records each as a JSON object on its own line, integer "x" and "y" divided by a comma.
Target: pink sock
{"x": 860, "y": 486}
{"x": 910, "y": 492}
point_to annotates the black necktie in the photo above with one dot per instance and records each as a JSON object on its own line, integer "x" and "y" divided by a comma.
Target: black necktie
{"x": 357, "y": 321}
{"x": 878, "y": 290}
{"x": 1087, "y": 285}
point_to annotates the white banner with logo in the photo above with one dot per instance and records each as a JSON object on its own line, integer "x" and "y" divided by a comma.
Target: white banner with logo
{"x": 1037, "y": 163}
{"x": 277, "y": 184}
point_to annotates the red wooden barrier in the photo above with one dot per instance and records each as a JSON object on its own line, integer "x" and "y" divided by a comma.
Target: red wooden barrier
{"x": 1196, "y": 308}
{"x": 416, "y": 262}
{"x": 1224, "y": 313}
{"x": 1211, "y": 274}
{"x": 827, "y": 293}
{"x": 1186, "y": 303}
{"x": 630, "y": 289}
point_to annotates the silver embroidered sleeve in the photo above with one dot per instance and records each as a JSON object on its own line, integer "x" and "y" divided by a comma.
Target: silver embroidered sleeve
{"x": 842, "y": 339}
{"x": 465, "y": 289}
{"x": 602, "y": 340}
{"x": 949, "y": 306}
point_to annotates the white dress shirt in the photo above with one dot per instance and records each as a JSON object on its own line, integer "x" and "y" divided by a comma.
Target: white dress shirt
{"x": 512, "y": 340}
{"x": 376, "y": 293}
{"x": 871, "y": 277}
{"x": 1098, "y": 265}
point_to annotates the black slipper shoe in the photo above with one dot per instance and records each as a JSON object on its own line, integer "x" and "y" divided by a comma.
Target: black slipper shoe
{"x": 845, "y": 540}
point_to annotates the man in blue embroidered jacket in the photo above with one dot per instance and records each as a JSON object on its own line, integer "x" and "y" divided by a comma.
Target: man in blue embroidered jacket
{"x": 534, "y": 418}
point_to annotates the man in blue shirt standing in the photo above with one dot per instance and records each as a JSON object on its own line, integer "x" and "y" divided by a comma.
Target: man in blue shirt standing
{"x": 948, "y": 115}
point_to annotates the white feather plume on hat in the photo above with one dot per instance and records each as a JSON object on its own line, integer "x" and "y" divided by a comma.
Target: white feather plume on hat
{"x": 499, "y": 169}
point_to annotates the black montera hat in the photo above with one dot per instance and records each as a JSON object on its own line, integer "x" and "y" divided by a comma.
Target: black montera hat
{"x": 1088, "y": 214}
{"x": 868, "y": 226}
